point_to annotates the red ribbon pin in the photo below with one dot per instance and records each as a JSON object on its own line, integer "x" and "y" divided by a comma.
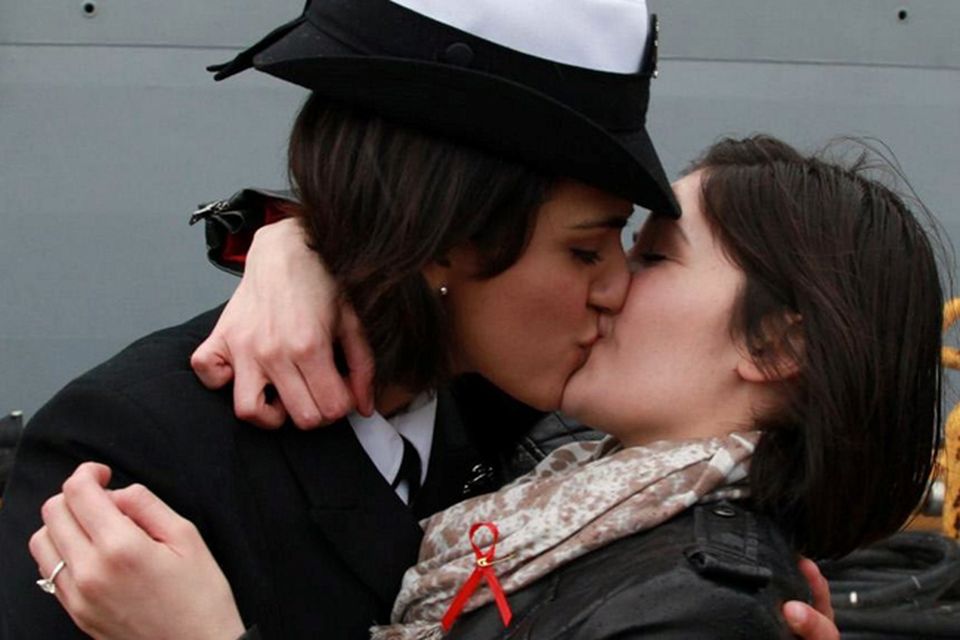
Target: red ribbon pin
{"x": 483, "y": 571}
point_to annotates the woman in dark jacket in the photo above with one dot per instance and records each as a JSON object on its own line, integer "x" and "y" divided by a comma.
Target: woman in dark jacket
{"x": 791, "y": 319}
{"x": 770, "y": 386}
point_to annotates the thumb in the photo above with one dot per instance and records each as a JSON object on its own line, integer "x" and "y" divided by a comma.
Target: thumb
{"x": 99, "y": 472}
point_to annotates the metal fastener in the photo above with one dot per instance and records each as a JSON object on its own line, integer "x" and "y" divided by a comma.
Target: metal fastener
{"x": 724, "y": 511}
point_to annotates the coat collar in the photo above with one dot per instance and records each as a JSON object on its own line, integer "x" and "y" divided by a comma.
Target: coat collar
{"x": 372, "y": 530}
{"x": 358, "y": 513}
{"x": 454, "y": 461}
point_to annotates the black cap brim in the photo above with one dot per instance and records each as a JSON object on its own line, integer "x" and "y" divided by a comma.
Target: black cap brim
{"x": 471, "y": 106}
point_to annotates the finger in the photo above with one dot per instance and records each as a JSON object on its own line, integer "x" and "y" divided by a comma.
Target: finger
{"x": 211, "y": 362}
{"x": 291, "y": 388}
{"x": 44, "y": 552}
{"x": 150, "y": 513}
{"x": 807, "y": 623}
{"x": 64, "y": 531}
{"x": 819, "y": 587}
{"x": 100, "y": 473}
{"x": 47, "y": 557}
{"x": 359, "y": 357}
{"x": 326, "y": 386}
{"x": 250, "y": 399}
{"x": 90, "y": 504}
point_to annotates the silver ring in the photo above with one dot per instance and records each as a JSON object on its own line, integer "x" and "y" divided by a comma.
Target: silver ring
{"x": 47, "y": 583}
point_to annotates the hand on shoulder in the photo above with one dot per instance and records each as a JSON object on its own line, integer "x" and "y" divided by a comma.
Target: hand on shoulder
{"x": 280, "y": 329}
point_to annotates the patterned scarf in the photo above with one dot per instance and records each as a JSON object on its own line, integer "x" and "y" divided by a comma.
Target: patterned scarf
{"x": 579, "y": 498}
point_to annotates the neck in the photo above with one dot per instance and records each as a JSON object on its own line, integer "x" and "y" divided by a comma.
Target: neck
{"x": 715, "y": 418}
{"x": 736, "y": 405}
{"x": 644, "y": 437}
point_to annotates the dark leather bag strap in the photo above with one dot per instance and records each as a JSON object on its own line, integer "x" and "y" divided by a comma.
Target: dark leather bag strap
{"x": 239, "y": 215}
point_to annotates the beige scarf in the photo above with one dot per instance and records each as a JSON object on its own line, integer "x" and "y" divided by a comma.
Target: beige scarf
{"x": 579, "y": 498}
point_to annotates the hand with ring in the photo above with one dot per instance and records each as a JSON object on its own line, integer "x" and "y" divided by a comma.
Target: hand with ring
{"x": 49, "y": 585}
{"x": 125, "y": 565}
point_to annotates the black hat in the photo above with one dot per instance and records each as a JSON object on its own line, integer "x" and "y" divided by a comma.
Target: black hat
{"x": 574, "y": 111}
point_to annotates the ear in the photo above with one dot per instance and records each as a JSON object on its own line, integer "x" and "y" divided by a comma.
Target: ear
{"x": 436, "y": 273}
{"x": 451, "y": 268}
{"x": 779, "y": 358}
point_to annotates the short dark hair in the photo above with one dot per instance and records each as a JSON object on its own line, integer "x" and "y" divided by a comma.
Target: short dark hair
{"x": 381, "y": 201}
{"x": 848, "y": 458}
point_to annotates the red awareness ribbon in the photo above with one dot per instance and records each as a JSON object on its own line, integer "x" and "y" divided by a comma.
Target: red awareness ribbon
{"x": 483, "y": 571}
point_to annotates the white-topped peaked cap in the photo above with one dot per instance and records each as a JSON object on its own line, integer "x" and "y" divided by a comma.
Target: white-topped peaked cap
{"x": 561, "y": 86}
{"x": 604, "y": 35}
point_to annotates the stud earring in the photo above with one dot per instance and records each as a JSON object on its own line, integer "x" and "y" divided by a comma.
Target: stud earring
{"x": 444, "y": 290}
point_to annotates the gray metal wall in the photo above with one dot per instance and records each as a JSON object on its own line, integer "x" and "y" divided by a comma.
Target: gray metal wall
{"x": 111, "y": 132}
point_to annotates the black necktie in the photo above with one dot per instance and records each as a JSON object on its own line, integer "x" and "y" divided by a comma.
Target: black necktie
{"x": 410, "y": 470}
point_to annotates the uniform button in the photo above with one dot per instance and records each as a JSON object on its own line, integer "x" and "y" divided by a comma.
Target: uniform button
{"x": 724, "y": 511}
{"x": 458, "y": 53}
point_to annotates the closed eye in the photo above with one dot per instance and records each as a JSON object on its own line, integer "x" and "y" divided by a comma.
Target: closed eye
{"x": 586, "y": 256}
{"x": 651, "y": 257}
{"x": 640, "y": 260}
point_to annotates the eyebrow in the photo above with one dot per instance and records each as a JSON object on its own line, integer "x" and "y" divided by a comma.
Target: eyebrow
{"x": 672, "y": 224}
{"x": 613, "y": 221}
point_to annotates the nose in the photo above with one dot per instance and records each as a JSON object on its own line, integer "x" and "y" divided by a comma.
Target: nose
{"x": 608, "y": 291}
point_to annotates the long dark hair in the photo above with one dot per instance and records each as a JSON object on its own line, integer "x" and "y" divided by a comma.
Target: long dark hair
{"x": 381, "y": 201}
{"x": 837, "y": 261}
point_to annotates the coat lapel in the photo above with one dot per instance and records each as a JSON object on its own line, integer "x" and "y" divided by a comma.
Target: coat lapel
{"x": 371, "y": 529}
{"x": 374, "y": 533}
{"x": 457, "y": 471}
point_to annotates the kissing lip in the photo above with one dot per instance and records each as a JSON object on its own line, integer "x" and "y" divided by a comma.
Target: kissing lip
{"x": 586, "y": 345}
{"x": 605, "y": 325}
{"x": 582, "y": 356}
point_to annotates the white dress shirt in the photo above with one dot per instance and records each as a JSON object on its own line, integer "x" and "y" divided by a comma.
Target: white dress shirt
{"x": 380, "y": 438}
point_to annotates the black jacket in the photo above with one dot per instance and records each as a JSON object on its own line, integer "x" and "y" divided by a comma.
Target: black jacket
{"x": 715, "y": 571}
{"x": 312, "y": 539}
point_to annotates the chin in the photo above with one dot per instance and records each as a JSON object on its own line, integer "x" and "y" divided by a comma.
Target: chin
{"x": 586, "y": 397}
{"x": 574, "y": 403}
{"x": 547, "y": 401}
{"x": 544, "y": 397}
